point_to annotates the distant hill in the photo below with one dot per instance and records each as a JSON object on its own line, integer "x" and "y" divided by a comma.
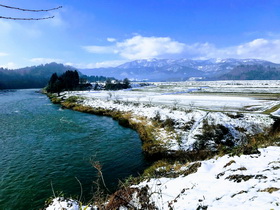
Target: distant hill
{"x": 30, "y": 77}
{"x": 175, "y": 70}
{"x": 150, "y": 70}
{"x": 252, "y": 72}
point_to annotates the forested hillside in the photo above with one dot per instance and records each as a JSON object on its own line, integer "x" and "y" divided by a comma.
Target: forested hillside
{"x": 252, "y": 72}
{"x": 30, "y": 77}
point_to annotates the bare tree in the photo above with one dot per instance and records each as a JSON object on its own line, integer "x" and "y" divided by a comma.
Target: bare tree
{"x": 150, "y": 99}
{"x": 117, "y": 99}
{"x": 28, "y": 10}
{"x": 176, "y": 103}
{"x": 110, "y": 94}
{"x": 191, "y": 105}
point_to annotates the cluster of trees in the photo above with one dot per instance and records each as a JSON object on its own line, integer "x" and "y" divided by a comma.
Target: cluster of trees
{"x": 117, "y": 84}
{"x": 85, "y": 78}
{"x": 69, "y": 80}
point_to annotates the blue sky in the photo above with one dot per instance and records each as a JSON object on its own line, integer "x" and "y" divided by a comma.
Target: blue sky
{"x": 101, "y": 33}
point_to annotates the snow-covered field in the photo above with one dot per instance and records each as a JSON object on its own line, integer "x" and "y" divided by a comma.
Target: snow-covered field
{"x": 188, "y": 124}
{"x": 188, "y": 111}
{"x": 208, "y": 102}
{"x": 245, "y": 182}
{"x": 227, "y": 86}
{"x": 200, "y": 95}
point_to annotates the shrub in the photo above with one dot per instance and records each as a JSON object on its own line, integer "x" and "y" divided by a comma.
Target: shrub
{"x": 213, "y": 134}
{"x": 56, "y": 100}
{"x": 72, "y": 99}
{"x": 168, "y": 123}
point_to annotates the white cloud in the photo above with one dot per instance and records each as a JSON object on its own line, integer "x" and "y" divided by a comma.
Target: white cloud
{"x": 264, "y": 49}
{"x": 9, "y": 65}
{"x": 45, "y": 60}
{"x": 260, "y": 49}
{"x": 111, "y": 63}
{"x": 109, "y": 39}
{"x": 99, "y": 49}
{"x": 139, "y": 47}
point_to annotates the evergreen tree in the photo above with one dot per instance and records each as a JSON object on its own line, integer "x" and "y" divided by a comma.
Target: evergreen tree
{"x": 67, "y": 81}
{"x": 52, "y": 86}
{"x": 126, "y": 83}
{"x": 108, "y": 84}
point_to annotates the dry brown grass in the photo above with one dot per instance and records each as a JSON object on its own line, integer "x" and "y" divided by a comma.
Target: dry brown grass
{"x": 270, "y": 189}
{"x": 121, "y": 198}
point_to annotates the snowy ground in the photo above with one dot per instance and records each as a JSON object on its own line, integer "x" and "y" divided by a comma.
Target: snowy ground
{"x": 188, "y": 123}
{"x": 276, "y": 113}
{"x": 228, "y": 86}
{"x": 188, "y": 112}
{"x": 61, "y": 203}
{"x": 239, "y": 182}
{"x": 245, "y": 182}
{"x": 200, "y": 95}
{"x": 186, "y": 100}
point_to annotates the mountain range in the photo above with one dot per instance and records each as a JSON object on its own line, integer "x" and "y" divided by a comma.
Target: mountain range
{"x": 177, "y": 70}
{"x": 149, "y": 70}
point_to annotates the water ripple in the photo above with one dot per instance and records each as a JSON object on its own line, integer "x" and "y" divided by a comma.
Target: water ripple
{"x": 41, "y": 144}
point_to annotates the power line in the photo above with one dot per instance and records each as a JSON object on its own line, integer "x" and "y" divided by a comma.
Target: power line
{"x": 28, "y": 10}
{"x": 13, "y": 18}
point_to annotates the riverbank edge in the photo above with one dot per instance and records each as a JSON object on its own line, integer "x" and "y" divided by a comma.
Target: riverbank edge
{"x": 147, "y": 129}
{"x": 152, "y": 150}
{"x": 151, "y": 146}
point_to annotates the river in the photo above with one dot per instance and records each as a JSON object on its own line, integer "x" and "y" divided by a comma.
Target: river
{"x": 40, "y": 144}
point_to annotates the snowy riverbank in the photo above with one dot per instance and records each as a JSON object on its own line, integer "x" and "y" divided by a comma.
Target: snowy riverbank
{"x": 223, "y": 182}
{"x": 238, "y": 182}
{"x": 175, "y": 128}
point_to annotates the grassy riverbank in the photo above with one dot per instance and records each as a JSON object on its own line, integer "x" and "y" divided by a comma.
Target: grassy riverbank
{"x": 177, "y": 136}
{"x": 156, "y": 123}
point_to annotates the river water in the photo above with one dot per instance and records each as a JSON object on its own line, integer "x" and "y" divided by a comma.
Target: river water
{"x": 40, "y": 144}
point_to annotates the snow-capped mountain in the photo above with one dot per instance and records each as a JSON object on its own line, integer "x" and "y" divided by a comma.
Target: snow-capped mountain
{"x": 175, "y": 70}
{"x": 209, "y": 65}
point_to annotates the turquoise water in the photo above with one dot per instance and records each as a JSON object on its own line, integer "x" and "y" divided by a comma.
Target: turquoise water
{"x": 41, "y": 143}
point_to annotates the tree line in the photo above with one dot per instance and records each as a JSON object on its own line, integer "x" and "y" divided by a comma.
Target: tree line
{"x": 70, "y": 80}
{"x": 117, "y": 84}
